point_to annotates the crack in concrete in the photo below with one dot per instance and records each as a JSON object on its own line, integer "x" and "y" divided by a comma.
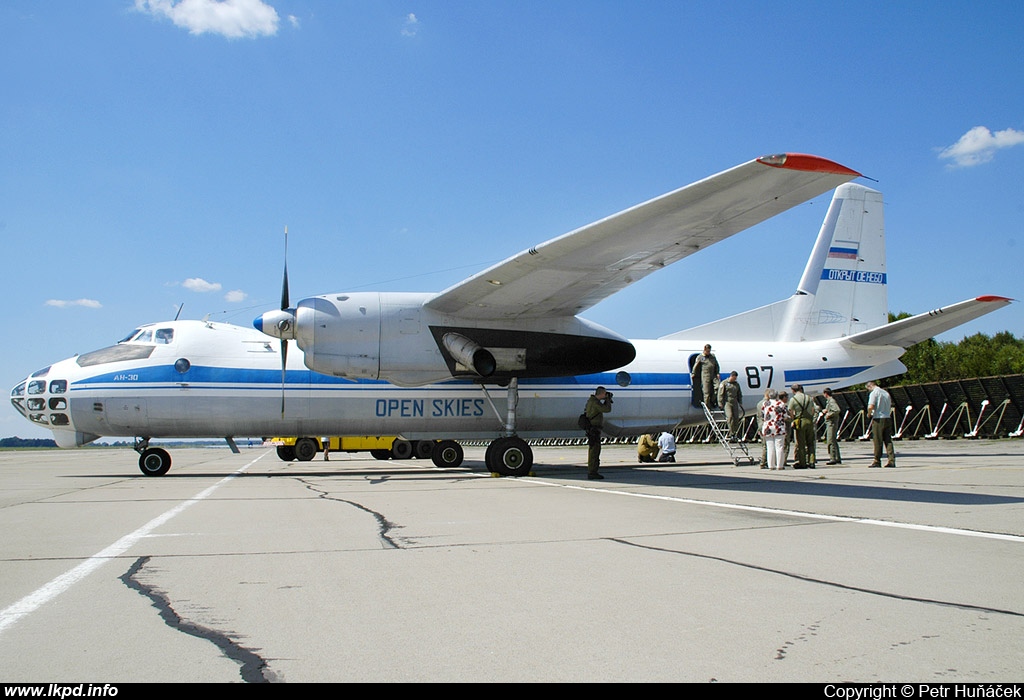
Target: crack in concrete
{"x": 252, "y": 667}
{"x": 823, "y": 582}
{"x": 384, "y": 525}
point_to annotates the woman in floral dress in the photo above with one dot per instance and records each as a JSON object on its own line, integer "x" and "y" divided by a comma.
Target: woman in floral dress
{"x": 773, "y": 430}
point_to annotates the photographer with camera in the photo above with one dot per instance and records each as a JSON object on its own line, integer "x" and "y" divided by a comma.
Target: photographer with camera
{"x": 599, "y": 403}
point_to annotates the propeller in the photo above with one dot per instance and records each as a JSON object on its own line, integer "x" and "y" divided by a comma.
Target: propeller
{"x": 280, "y": 324}
{"x": 284, "y": 307}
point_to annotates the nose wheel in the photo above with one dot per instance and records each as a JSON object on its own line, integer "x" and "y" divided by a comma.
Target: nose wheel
{"x": 154, "y": 462}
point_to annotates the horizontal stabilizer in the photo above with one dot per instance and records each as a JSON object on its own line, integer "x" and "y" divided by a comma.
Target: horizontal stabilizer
{"x": 910, "y": 331}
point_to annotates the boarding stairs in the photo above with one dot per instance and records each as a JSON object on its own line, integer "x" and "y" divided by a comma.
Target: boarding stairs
{"x": 736, "y": 448}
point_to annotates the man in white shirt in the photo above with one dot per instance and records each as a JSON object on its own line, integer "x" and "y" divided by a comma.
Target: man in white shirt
{"x": 880, "y": 413}
{"x": 667, "y": 447}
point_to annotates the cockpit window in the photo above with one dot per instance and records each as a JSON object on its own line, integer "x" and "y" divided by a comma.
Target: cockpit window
{"x": 41, "y": 373}
{"x": 116, "y": 353}
{"x": 36, "y": 387}
{"x": 129, "y": 336}
{"x": 58, "y": 386}
{"x": 18, "y": 390}
{"x": 163, "y": 336}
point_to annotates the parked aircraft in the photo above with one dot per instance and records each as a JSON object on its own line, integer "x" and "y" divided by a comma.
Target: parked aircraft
{"x": 424, "y": 366}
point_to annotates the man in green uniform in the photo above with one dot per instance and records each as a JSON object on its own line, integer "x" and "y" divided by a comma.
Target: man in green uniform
{"x": 599, "y": 403}
{"x": 803, "y": 410}
{"x": 730, "y": 399}
{"x": 705, "y": 374}
{"x": 832, "y": 427}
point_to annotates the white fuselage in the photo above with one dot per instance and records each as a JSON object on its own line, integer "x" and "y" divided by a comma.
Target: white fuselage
{"x": 219, "y": 380}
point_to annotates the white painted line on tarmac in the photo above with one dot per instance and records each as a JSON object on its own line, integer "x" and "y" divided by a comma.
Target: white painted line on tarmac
{"x": 792, "y": 513}
{"x": 33, "y": 601}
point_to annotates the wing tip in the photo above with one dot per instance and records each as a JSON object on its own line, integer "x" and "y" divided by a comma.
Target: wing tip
{"x": 807, "y": 163}
{"x": 994, "y": 297}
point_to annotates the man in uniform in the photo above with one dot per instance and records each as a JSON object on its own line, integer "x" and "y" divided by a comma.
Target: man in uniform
{"x": 647, "y": 448}
{"x": 705, "y": 374}
{"x": 832, "y": 427}
{"x": 730, "y": 398}
{"x": 880, "y": 412}
{"x": 803, "y": 410}
{"x": 599, "y": 403}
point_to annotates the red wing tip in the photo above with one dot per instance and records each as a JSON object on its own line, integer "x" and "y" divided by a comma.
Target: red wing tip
{"x": 807, "y": 163}
{"x": 992, "y": 297}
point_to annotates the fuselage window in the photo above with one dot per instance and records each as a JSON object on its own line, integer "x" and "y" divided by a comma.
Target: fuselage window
{"x": 36, "y": 387}
{"x": 58, "y": 386}
{"x": 58, "y": 404}
{"x": 59, "y": 419}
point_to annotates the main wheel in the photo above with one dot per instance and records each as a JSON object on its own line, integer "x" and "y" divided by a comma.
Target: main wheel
{"x": 423, "y": 449}
{"x": 305, "y": 449}
{"x": 447, "y": 453}
{"x": 510, "y": 456}
{"x": 154, "y": 462}
{"x": 286, "y": 453}
{"x": 381, "y": 454}
{"x": 401, "y": 449}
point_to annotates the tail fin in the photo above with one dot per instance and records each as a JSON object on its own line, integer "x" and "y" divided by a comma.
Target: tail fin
{"x": 843, "y": 288}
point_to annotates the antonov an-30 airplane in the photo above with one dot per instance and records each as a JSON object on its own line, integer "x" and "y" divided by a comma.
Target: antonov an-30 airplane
{"x": 424, "y": 366}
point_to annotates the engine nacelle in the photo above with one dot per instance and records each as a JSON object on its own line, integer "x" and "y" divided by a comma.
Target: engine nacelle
{"x": 394, "y": 337}
{"x": 340, "y": 334}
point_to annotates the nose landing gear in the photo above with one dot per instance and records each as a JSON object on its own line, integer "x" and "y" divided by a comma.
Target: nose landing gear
{"x": 153, "y": 461}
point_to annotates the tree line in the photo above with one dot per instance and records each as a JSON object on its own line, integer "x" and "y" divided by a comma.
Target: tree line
{"x": 977, "y": 355}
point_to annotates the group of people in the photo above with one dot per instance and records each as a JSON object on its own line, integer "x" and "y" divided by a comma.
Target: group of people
{"x": 782, "y": 420}
{"x": 656, "y": 447}
{"x": 728, "y": 395}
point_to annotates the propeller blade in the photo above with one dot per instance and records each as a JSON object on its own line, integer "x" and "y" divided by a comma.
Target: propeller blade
{"x": 284, "y": 288}
{"x": 284, "y": 366}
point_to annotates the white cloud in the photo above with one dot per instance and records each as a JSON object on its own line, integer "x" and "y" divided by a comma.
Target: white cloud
{"x": 235, "y": 295}
{"x": 411, "y": 25}
{"x": 64, "y": 303}
{"x": 231, "y": 18}
{"x": 198, "y": 284}
{"x": 979, "y": 145}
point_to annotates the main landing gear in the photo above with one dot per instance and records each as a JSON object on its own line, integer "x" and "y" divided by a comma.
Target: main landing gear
{"x": 153, "y": 461}
{"x": 509, "y": 455}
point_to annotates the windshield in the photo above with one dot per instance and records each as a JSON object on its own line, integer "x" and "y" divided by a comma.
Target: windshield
{"x": 162, "y": 336}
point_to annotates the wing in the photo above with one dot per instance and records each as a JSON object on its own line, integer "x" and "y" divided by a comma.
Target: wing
{"x": 913, "y": 330}
{"x": 568, "y": 274}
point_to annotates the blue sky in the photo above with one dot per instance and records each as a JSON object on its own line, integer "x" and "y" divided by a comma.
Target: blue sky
{"x": 152, "y": 151}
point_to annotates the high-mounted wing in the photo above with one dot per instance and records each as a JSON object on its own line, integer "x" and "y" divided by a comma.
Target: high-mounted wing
{"x": 571, "y": 273}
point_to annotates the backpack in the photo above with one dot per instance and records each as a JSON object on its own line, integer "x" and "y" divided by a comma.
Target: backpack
{"x": 584, "y": 423}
